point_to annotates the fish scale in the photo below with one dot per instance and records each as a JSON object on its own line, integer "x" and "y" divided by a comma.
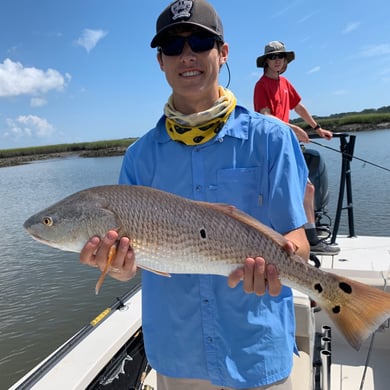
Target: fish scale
{"x": 170, "y": 234}
{"x": 202, "y": 246}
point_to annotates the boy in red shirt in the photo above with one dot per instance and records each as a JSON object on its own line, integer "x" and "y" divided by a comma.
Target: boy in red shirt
{"x": 274, "y": 95}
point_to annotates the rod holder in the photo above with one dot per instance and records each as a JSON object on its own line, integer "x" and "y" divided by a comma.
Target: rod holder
{"x": 326, "y": 331}
{"x": 326, "y": 362}
{"x": 326, "y": 344}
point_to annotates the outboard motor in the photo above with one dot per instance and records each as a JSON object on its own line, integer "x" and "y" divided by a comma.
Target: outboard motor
{"x": 318, "y": 175}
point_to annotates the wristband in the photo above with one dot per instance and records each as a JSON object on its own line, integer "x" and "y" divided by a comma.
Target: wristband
{"x": 318, "y": 126}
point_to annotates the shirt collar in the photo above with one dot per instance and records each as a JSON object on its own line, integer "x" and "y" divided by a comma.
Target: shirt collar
{"x": 237, "y": 125}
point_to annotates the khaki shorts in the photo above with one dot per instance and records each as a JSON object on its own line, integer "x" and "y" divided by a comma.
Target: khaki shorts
{"x": 168, "y": 383}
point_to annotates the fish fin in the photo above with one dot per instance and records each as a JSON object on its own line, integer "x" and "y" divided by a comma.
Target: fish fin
{"x": 245, "y": 218}
{"x": 154, "y": 271}
{"x": 358, "y": 309}
{"x": 111, "y": 255}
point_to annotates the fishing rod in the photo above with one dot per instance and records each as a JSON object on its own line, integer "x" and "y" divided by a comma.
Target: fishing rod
{"x": 348, "y": 155}
{"x": 53, "y": 359}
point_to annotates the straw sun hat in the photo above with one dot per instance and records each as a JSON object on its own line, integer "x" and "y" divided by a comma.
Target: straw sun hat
{"x": 273, "y": 48}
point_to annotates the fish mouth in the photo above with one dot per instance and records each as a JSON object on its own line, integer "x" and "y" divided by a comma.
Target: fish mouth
{"x": 74, "y": 247}
{"x": 36, "y": 237}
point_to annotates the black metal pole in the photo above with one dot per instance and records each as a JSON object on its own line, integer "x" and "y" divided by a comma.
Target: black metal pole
{"x": 350, "y": 150}
{"x": 347, "y": 149}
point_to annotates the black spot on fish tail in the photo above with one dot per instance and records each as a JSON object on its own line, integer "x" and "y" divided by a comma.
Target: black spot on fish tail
{"x": 318, "y": 287}
{"x": 203, "y": 233}
{"x": 336, "y": 309}
{"x": 345, "y": 287}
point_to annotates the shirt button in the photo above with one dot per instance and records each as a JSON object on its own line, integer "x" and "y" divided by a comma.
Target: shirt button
{"x": 209, "y": 340}
{"x": 198, "y": 188}
{"x": 205, "y": 301}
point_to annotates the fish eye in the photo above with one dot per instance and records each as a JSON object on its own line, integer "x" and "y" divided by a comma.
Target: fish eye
{"x": 47, "y": 221}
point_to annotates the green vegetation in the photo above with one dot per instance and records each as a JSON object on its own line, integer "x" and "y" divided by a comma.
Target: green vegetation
{"x": 10, "y": 157}
{"x": 68, "y": 148}
{"x": 369, "y": 119}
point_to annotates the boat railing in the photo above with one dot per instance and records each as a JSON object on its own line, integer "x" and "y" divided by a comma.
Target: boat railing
{"x": 60, "y": 353}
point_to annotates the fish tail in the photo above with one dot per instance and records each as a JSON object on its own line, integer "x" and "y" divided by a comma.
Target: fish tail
{"x": 359, "y": 310}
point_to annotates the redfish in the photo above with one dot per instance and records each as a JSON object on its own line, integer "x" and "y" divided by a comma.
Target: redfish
{"x": 170, "y": 234}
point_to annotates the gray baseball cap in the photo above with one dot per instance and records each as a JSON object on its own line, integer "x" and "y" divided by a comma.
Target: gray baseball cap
{"x": 198, "y": 13}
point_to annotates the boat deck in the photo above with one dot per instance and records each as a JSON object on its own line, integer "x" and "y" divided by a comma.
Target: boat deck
{"x": 363, "y": 253}
{"x": 366, "y": 259}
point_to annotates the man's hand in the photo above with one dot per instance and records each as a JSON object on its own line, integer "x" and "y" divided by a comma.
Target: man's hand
{"x": 96, "y": 252}
{"x": 257, "y": 276}
{"x": 323, "y": 133}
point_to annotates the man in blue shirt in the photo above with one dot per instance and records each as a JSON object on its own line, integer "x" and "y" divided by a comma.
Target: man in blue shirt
{"x": 205, "y": 331}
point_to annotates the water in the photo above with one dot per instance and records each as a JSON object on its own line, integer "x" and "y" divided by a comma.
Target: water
{"x": 46, "y": 295}
{"x": 370, "y": 184}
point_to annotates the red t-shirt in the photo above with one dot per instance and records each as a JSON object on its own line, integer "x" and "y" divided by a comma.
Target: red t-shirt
{"x": 277, "y": 95}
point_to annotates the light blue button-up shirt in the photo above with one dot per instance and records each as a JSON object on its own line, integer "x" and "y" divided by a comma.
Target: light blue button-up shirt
{"x": 195, "y": 326}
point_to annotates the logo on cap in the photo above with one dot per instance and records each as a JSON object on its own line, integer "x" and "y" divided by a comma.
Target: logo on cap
{"x": 181, "y": 9}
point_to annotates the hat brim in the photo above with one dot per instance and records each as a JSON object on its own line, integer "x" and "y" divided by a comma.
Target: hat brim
{"x": 160, "y": 36}
{"x": 260, "y": 61}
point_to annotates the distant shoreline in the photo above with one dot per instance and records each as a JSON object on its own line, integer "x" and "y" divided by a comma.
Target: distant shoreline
{"x": 118, "y": 147}
{"x": 10, "y": 158}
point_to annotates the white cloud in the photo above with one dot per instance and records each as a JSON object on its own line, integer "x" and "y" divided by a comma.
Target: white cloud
{"x": 351, "y": 27}
{"x": 375, "y": 50}
{"x": 15, "y": 79}
{"x": 90, "y": 38}
{"x": 37, "y": 102}
{"x": 314, "y": 70}
{"x": 340, "y": 92}
{"x": 307, "y": 17}
{"x": 31, "y": 126}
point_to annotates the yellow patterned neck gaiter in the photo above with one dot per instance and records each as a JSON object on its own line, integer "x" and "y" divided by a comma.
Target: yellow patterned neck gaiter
{"x": 198, "y": 128}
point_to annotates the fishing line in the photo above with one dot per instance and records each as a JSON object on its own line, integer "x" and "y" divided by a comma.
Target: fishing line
{"x": 369, "y": 354}
{"x": 367, "y": 362}
{"x": 348, "y": 155}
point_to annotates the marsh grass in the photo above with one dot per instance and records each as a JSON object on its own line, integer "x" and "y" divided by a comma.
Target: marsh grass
{"x": 369, "y": 121}
{"x": 365, "y": 120}
{"x": 67, "y": 148}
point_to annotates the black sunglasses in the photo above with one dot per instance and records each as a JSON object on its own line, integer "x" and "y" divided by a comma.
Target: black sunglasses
{"x": 276, "y": 55}
{"x": 173, "y": 46}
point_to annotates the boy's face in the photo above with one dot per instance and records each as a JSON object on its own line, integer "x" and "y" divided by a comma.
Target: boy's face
{"x": 193, "y": 73}
{"x": 277, "y": 62}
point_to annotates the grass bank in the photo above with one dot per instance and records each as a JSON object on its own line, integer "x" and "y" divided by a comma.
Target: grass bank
{"x": 348, "y": 122}
{"x": 106, "y": 148}
{"x": 351, "y": 122}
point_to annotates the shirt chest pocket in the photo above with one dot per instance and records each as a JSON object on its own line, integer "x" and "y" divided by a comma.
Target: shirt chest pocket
{"x": 240, "y": 187}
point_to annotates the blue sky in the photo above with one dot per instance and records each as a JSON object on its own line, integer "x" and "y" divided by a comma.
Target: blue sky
{"x": 83, "y": 70}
